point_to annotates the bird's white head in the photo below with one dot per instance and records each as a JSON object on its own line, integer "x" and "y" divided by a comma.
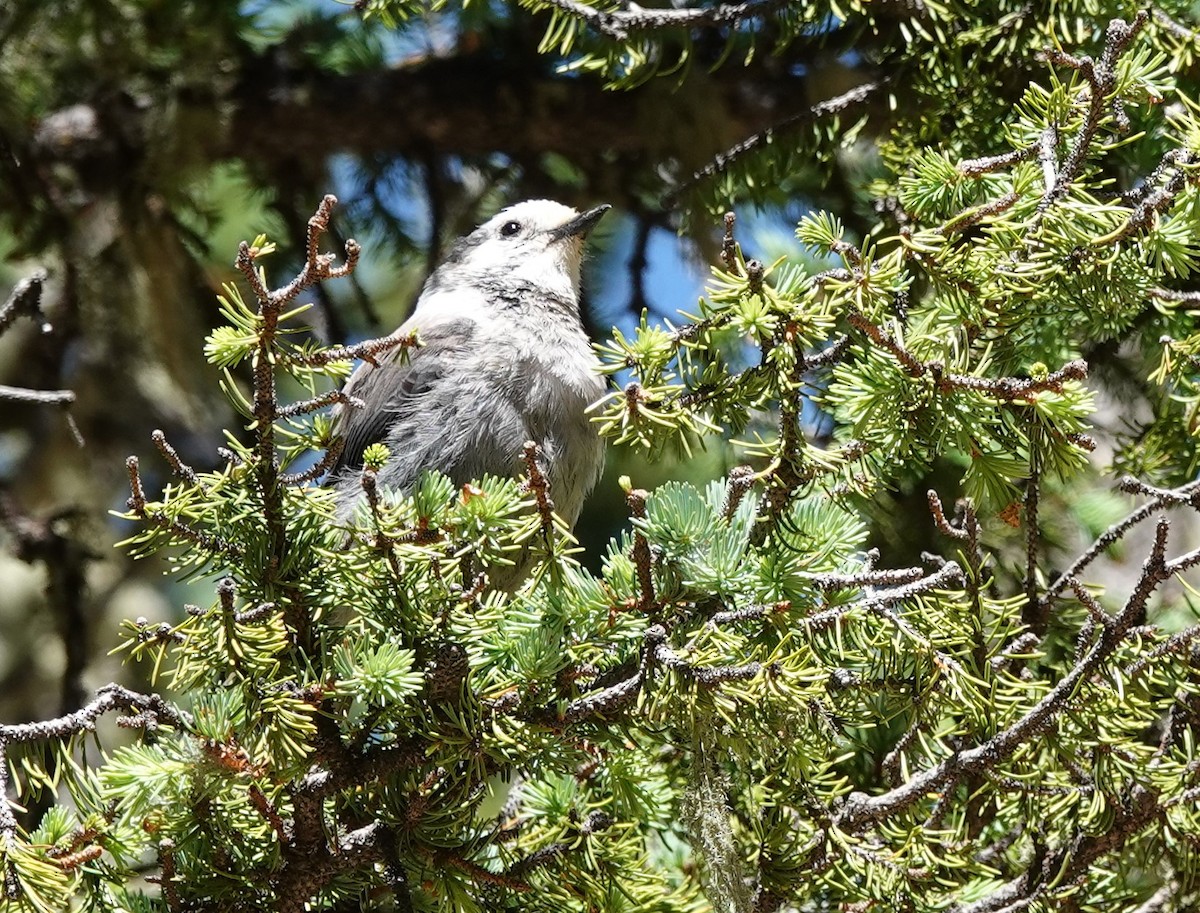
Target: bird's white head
{"x": 538, "y": 243}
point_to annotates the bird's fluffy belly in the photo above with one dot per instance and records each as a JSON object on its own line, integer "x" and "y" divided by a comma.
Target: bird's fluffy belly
{"x": 531, "y": 398}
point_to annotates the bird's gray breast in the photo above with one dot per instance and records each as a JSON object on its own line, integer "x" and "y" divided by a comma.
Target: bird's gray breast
{"x": 487, "y": 379}
{"x": 543, "y": 372}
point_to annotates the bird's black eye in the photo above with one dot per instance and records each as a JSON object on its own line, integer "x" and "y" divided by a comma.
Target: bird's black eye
{"x": 508, "y": 229}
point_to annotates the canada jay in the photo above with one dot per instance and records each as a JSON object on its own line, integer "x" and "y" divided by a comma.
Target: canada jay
{"x": 503, "y": 360}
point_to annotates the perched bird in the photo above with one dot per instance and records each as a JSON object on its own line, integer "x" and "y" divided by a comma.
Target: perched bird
{"x": 503, "y": 360}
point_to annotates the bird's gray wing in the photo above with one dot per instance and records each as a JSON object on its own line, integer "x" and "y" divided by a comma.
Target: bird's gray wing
{"x": 390, "y": 391}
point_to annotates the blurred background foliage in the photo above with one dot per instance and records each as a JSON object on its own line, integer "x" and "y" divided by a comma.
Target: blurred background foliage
{"x": 140, "y": 140}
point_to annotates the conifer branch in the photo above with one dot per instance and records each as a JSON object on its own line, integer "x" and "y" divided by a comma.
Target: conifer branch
{"x": 1155, "y": 201}
{"x": 621, "y": 24}
{"x": 143, "y": 711}
{"x": 137, "y": 504}
{"x": 1135, "y": 809}
{"x": 1163, "y": 499}
{"x": 594, "y": 823}
{"x": 617, "y": 696}
{"x": 861, "y": 811}
{"x": 1006, "y": 389}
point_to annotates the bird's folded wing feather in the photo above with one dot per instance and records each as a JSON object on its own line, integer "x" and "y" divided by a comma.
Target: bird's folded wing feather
{"x": 393, "y": 388}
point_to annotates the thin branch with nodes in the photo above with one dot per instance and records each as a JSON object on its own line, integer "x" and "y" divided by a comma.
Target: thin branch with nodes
{"x": 45, "y": 397}
{"x": 369, "y": 351}
{"x": 171, "y": 455}
{"x": 1161, "y": 500}
{"x": 722, "y": 162}
{"x": 318, "y": 267}
{"x": 1156, "y": 200}
{"x": 1175, "y": 295}
{"x": 140, "y": 507}
{"x": 1005, "y": 389}
{"x": 25, "y": 300}
{"x": 1101, "y": 76}
{"x": 538, "y": 485}
{"x": 1178, "y": 29}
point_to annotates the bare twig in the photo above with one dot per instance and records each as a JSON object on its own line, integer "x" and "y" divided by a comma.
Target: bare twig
{"x": 885, "y": 340}
{"x": 1169, "y": 294}
{"x": 939, "y": 517}
{"x": 830, "y": 355}
{"x": 318, "y": 469}
{"x": 704, "y": 675}
{"x": 1178, "y": 29}
{"x": 739, "y": 482}
{"x": 25, "y": 300}
{"x": 832, "y": 582}
{"x": 978, "y": 167}
{"x": 317, "y": 403}
{"x": 976, "y": 214}
{"x": 47, "y": 397}
{"x": 1155, "y": 200}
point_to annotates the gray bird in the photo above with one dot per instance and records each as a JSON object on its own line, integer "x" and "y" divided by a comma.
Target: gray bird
{"x": 504, "y": 360}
